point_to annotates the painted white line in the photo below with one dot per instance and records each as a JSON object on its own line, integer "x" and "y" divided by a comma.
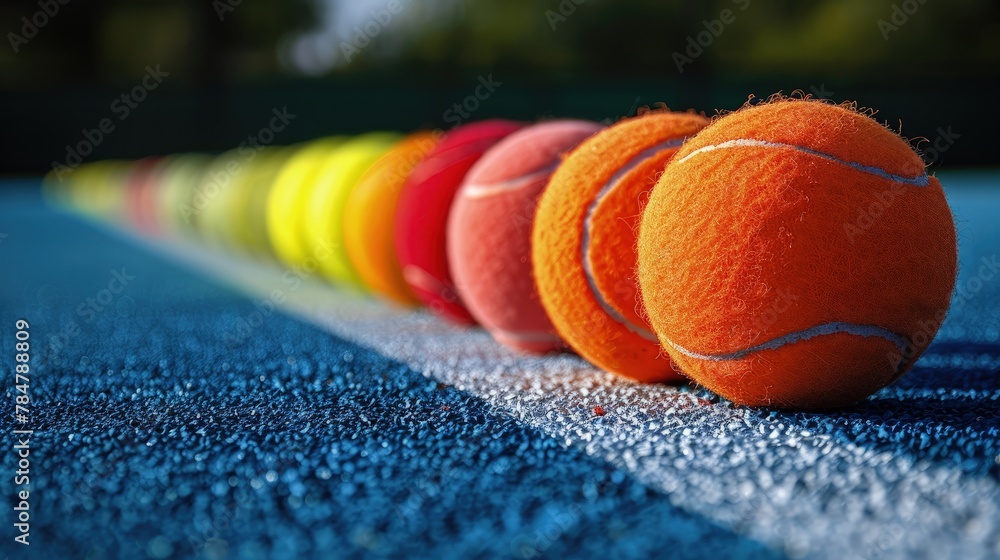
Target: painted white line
{"x": 781, "y": 479}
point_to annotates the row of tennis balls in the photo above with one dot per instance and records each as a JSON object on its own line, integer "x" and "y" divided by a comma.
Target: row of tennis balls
{"x": 664, "y": 245}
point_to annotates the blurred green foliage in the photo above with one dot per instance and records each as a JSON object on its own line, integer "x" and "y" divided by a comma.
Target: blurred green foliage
{"x": 348, "y": 66}
{"x": 212, "y": 41}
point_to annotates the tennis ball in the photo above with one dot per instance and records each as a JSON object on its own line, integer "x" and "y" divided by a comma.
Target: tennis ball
{"x": 212, "y": 201}
{"x": 795, "y": 254}
{"x": 175, "y": 195}
{"x": 327, "y": 199}
{"x": 98, "y": 190}
{"x": 140, "y": 186}
{"x": 583, "y": 242}
{"x": 57, "y": 187}
{"x": 289, "y": 196}
{"x": 422, "y": 214}
{"x": 369, "y": 217}
{"x": 489, "y": 233}
{"x": 250, "y": 231}
{"x": 228, "y": 209}
{"x": 77, "y": 186}
{"x": 233, "y": 201}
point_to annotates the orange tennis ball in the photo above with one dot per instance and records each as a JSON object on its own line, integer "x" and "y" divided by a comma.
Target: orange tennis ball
{"x": 795, "y": 254}
{"x": 369, "y": 218}
{"x": 489, "y": 233}
{"x": 584, "y": 236}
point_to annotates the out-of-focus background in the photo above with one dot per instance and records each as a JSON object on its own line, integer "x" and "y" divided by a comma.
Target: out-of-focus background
{"x": 189, "y": 404}
{"x": 164, "y": 76}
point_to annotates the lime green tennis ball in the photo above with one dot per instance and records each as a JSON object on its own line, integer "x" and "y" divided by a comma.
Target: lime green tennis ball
{"x": 100, "y": 190}
{"x": 251, "y": 204}
{"x": 212, "y": 200}
{"x": 324, "y": 220}
{"x": 176, "y": 193}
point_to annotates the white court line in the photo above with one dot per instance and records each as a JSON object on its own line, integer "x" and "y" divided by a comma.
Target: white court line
{"x": 764, "y": 476}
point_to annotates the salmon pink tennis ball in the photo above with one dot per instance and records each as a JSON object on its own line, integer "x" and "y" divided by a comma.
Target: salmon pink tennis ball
{"x": 422, "y": 214}
{"x": 489, "y": 233}
{"x": 584, "y": 236}
{"x": 140, "y": 193}
{"x": 796, "y": 254}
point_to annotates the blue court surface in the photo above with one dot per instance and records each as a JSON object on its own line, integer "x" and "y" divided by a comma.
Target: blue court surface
{"x": 180, "y": 409}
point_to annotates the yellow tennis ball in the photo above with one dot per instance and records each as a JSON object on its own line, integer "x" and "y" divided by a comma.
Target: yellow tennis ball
{"x": 232, "y": 205}
{"x": 98, "y": 191}
{"x": 111, "y": 191}
{"x": 212, "y": 200}
{"x": 74, "y": 185}
{"x": 324, "y": 220}
{"x": 288, "y": 197}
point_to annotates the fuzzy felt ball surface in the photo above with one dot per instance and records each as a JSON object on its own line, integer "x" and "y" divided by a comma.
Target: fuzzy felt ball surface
{"x": 369, "y": 218}
{"x": 584, "y": 240}
{"x": 422, "y": 214}
{"x": 327, "y": 200}
{"x": 489, "y": 233}
{"x": 796, "y": 254}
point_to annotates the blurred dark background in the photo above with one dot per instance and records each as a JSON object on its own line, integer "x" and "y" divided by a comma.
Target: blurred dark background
{"x": 930, "y": 67}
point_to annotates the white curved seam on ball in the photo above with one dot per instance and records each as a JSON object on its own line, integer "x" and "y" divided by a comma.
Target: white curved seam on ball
{"x": 608, "y": 187}
{"x": 483, "y": 191}
{"x": 421, "y": 279}
{"x": 798, "y": 336}
{"x": 527, "y": 336}
{"x": 919, "y": 181}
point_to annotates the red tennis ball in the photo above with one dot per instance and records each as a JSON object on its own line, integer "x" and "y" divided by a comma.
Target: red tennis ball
{"x": 584, "y": 236}
{"x": 422, "y": 214}
{"x": 489, "y": 233}
{"x": 796, "y": 254}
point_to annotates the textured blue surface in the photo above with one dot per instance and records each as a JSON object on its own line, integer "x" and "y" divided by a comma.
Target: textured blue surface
{"x": 159, "y": 436}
